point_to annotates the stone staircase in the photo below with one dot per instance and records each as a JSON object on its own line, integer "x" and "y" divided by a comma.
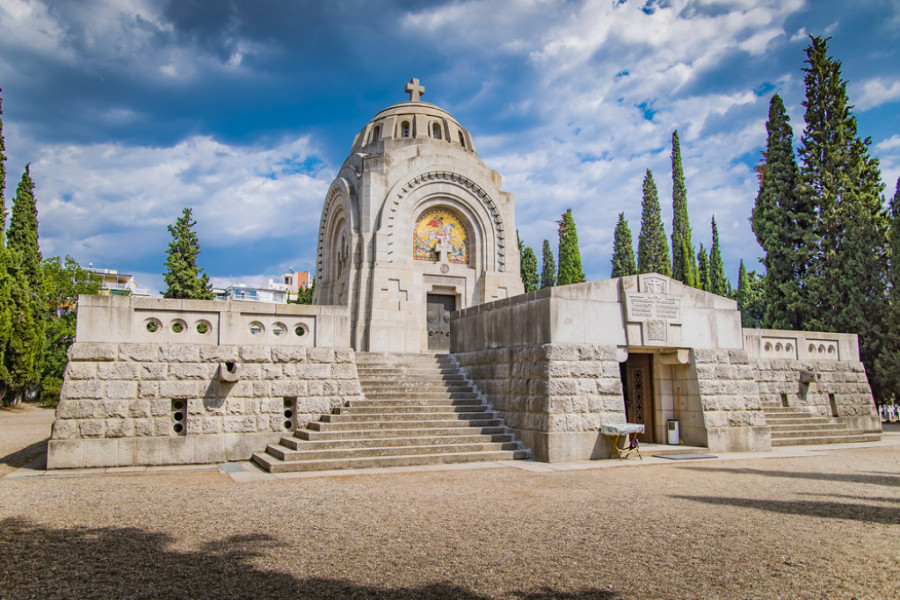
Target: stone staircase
{"x": 416, "y": 409}
{"x": 795, "y": 427}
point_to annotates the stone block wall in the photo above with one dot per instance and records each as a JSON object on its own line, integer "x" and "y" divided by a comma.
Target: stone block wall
{"x": 729, "y": 398}
{"x": 554, "y": 396}
{"x": 816, "y": 371}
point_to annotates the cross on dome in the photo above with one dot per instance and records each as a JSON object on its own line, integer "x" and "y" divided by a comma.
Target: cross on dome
{"x": 414, "y": 90}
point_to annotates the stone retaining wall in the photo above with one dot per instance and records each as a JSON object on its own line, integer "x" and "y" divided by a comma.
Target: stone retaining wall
{"x": 816, "y": 371}
{"x": 120, "y": 403}
{"x": 729, "y": 397}
{"x": 554, "y": 396}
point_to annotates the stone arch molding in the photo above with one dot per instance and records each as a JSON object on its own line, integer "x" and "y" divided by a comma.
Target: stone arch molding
{"x": 338, "y": 198}
{"x": 454, "y": 178}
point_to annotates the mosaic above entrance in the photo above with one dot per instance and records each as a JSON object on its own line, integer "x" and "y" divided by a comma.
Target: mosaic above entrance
{"x": 437, "y": 231}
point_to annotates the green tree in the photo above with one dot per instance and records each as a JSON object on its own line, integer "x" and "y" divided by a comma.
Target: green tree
{"x": 749, "y": 296}
{"x": 25, "y": 350}
{"x": 569, "y": 254}
{"x": 64, "y": 281}
{"x": 848, "y": 284}
{"x": 653, "y": 249}
{"x": 183, "y": 277}
{"x": 718, "y": 284}
{"x": 305, "y": 296}
{"x": 887, "y": 364}
{"x": 548, "y": 266}
{"x": 528, "y": 267}
{"x": 703, "y": 269}
{"x": 22, "y": 236}
{"x": 623, "y": 252}
{"x": 684, "y": 265}
{"x": 5, "y": 280}
{"x": 783, "y": 221}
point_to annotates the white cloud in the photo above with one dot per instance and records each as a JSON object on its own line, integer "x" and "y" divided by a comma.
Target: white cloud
{"x": 109, "y": 203}
{"x": 891, "y": 143}
{"x": 875, "y": 92}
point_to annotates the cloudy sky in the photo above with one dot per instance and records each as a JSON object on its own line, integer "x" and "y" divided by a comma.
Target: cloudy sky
{"x": 130, "y": 110}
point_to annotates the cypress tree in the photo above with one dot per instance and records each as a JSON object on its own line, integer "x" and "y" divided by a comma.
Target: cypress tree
{"x": 703, "y": 269}
{"x": 22, "y": 236}
{"x": 623, "y": 253}
{"x": 847, "y": 286}
{"x": 717, "y": 282}
{"x": 653, "y": 249}
{"x": 783, "y": 221}
{"x": 183, "y": 277}
{"x": 887, "y": 364}
{"x": 569, "y": 255}
{"x": 530, "y": 278}
{"x": 750, "y": 298}
{"x": 5, "y": 279}
{"x": 24, "y": 356}
{"x": 527, "y": 266}
{"x": 548, "y": 266}
{"x": 684, "y": 265}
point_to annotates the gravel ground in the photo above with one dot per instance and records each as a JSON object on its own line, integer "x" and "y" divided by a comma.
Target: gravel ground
{"x": 24, "y": 431}
{"x": 823, "y": 526}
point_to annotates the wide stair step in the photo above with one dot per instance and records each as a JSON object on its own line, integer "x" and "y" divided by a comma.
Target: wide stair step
{"x": 415, "y": 410}
{"x": 792, "y": 426}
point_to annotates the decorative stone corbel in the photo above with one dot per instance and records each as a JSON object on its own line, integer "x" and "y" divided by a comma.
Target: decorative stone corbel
{"x": 808, "y": 377}
{"x": 229, "y": 372}
{"x": 680, "y": 356}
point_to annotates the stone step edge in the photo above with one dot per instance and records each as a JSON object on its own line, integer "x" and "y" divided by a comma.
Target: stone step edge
{"x": 418, "y": 440}
{"x": 271, "y": 464}
{"x": 290, "y": 455}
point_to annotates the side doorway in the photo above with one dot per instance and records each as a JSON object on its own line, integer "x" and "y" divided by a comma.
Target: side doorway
{"x": 437, "y": 319}
{"x": 637, "y": 383}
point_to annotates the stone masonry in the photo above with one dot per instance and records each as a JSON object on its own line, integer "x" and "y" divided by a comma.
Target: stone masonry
{"x": 550, "y": 394}
{"x": 133, "y": 400}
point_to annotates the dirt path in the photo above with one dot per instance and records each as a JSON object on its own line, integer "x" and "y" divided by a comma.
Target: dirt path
{"x": 24, "y": 431}
{"x": 825, "y": 526}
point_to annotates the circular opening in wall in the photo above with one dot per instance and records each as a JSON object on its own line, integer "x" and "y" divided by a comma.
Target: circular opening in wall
{"x": 778, "y": 347}
{"x": 203, "y": 327}
{"x": 178, "y": 405}
{"x": 830, "y": 349}
{"x": 287, "y": 403}
{"x": 278, "y": 328}
{"x": 178, "y": 326}
{"x": 178, "y": 416}
{"x": 152, "y": 325}
{"x": 288, "y": 414}
{"x": 821, "y": 348}
{"x": 287, "y": 424}
{"x": 789, "y": 347}
{"x": 178, "y": 427}
{"x": 300, "y": 330}
{"x": 256, "y": 328}
{"x": 767, "y": 347}
{"x": 812, "y": 347}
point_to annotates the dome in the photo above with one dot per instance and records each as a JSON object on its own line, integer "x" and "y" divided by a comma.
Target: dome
{"x": 412, "y": 122}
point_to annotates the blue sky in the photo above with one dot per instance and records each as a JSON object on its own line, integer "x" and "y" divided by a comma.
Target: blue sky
{"x": 129, "y": 110}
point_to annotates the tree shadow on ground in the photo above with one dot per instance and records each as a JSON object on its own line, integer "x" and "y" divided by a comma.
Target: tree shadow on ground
{"x": 888, "y": 479}
{"x": 112, "y": 562}
{"x": 827, "y": 510}
{"x": 22, "y": 457}
{"x": 851, "y": 497}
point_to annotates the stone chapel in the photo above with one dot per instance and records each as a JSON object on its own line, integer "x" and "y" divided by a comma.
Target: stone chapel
{"x": 414, "y": 227}
{"x": 422, "y": 348}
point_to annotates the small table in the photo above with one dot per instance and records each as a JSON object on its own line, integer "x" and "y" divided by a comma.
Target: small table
{"x": 624, "y": 430}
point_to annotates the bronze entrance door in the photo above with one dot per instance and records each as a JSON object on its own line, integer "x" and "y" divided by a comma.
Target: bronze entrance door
{"x": 637, "y": 383}
{"x": 437, "y": 318}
